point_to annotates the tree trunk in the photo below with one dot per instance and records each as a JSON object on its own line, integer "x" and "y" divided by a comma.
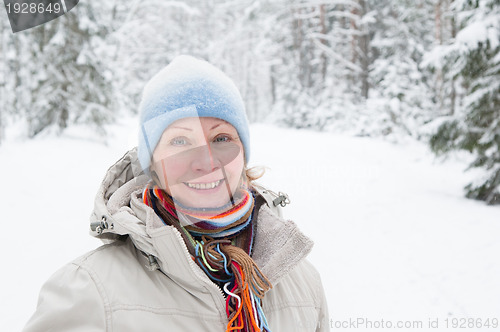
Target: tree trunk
{"x": 453, "y": 93}
{"x": 360, "y": 48}
{"x": 323, "y": 40}
{"x": 438, "y": 37}
{"x": 364, "y": 46}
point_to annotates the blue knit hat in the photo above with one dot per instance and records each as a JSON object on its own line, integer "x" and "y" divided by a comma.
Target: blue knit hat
{"x": 188, "y": 87}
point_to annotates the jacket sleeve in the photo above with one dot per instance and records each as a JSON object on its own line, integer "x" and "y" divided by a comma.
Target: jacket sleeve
{"x": 69, "y": 301}
{"x": 323, "y": 318}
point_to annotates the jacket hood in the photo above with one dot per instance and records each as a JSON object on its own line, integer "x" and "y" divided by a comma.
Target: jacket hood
{"x": 119, "y": 211}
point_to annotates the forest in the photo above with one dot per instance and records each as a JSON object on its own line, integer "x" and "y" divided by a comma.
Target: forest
{"x": 424, "y": 69}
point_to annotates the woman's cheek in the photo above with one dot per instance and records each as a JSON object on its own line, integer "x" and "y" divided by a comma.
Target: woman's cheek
{"x": 235, "y": 170}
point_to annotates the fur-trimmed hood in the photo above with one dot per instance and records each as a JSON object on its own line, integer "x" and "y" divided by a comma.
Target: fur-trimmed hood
{"x": 118, "y": 211}
{"x": 144, "y": 279}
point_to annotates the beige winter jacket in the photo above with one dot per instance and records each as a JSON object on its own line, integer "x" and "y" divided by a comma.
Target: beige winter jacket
{"x": 143, "y": 279}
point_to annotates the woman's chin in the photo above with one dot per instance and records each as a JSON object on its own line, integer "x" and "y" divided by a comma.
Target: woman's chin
{"x": 208, "y": 203}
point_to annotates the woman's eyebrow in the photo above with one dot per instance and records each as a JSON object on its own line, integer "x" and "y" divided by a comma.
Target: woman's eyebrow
{"x": 224, "y": 124}
{"x": 183, "y": 128}
{"x": 218, "y": 124}
{"x": 215, "y": 126}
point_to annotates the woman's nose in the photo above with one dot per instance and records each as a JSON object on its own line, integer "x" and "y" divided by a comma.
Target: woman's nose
{"x": 204, "y": 159}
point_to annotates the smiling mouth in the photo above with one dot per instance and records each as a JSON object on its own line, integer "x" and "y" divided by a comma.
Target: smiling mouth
{"x": 203, "y": 186}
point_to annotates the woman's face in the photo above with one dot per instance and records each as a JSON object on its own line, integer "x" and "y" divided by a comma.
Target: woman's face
{"x": 199, "y": 161}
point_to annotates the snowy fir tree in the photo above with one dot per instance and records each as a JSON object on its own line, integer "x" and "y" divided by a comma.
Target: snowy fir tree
{"x": 322, "y": 60}
{"x": 400, "y": 39}
{"x": 56, "y": 75}
{"x": 8, "y": 80}
{"x": 474, "y": 59}
{"x": 3, "y": 72}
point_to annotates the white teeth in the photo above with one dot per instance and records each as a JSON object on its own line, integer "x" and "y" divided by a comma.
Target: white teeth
{"x": 202, "y": 186}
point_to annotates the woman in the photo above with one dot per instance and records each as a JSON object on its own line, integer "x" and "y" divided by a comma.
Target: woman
{"x": 192, "y": 243}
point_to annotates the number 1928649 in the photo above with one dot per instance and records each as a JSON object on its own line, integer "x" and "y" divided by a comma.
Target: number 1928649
{"x": 471, "y": 323}
{"x": 33, "y": 8}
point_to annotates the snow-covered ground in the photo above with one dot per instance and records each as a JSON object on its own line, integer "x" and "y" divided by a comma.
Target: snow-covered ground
{"x": 395, "y": 239}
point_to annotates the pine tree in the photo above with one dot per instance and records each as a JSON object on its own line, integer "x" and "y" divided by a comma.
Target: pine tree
{"x": 76, "y": 86}
{"x": 319, "y": 64}
{"x": 57, "y": 77}
{"x": 3, "y": 74}
{"x": 147, "y": 35}
{"x": 474, "y": 57}
{"x": 400, "y": 39}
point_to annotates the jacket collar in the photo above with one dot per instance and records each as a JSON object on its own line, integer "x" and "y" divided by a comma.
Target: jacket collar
{"x": 278, "y": 243}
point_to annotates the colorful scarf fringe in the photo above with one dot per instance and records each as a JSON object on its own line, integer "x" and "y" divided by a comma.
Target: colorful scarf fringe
{"x": 220, "y": 241}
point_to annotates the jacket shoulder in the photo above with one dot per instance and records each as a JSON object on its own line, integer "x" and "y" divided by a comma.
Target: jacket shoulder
{"x": 114, "y": 265}
{"x": 107, "y": 254}
{"x": 70, "y": 300}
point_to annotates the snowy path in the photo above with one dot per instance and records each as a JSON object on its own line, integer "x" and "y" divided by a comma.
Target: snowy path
{"x": 395, "y": 239}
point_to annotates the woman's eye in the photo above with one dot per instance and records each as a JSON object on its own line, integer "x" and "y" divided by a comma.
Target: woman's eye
{"x": 222, "y": 138}
{"x": 179, "y": 141}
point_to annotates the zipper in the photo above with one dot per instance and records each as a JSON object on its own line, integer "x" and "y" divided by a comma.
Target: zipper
{"x": 203, "y": 277}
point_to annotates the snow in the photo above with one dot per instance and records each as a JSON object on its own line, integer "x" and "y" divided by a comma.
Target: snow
{"x": 480, "y": 32}
{"x": 394, "y": 237}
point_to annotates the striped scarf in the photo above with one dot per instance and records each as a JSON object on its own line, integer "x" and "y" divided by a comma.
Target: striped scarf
{"x": 220, "y": 241}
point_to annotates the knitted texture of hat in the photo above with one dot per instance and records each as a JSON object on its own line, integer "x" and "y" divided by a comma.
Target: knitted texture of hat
{"x": 188, "y": 87}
